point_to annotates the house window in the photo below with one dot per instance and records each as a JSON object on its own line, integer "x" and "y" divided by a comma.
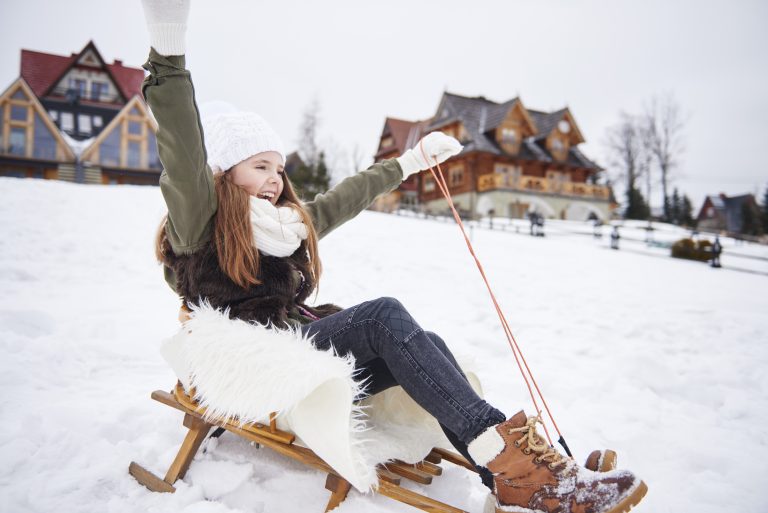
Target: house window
{"x": 134, "y": 127}
{"x": 67, "y": 121}
{"x": 508, "y": 136}
{"x": 84, "y": 123}
{"x": 387, "y": 142}
{"x": 17, "y": 141}
{"x": 153, "y": 161}
{"x": 54, "y": 115}
{"x": 78, "y": 84}
{"x": 18, "y": 113}
{"x": 99, "y": 91}
{"x": 97, "y": 121}
{"x": 45, "y": 143}
{"x": 109, "y": 151}
{"x": 456, "y": 176}
{"x": 557, "y": 145}
{"x": 134, "y": 154}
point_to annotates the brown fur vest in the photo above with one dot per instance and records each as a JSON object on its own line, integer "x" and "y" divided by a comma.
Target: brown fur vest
{"x": 286, "y": 284}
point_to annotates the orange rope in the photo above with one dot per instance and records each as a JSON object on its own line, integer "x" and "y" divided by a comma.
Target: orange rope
{"x": 518, "y": 354}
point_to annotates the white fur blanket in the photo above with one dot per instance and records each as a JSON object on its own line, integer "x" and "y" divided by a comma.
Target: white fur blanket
{"x": 245, "y": 371}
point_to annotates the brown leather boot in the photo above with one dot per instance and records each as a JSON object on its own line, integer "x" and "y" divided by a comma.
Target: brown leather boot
{"x": 601, "y": 461}
{"x": 531, "y": 477}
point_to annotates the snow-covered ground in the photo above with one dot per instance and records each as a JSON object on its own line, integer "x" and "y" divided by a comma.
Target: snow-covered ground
{"x": 663, "y": 360}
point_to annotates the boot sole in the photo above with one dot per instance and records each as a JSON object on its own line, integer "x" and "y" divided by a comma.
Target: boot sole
{"x": 629, "y": 502}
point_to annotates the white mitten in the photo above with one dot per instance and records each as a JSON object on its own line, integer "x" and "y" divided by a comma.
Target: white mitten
{"x": 167, "y": 25}
{"x": 438, "y": 148}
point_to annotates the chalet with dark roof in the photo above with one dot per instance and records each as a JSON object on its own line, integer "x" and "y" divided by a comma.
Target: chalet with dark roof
{"x": 721, "y": 213}
{"x": 77, "y": 118}
{"x": 515, "y": 160}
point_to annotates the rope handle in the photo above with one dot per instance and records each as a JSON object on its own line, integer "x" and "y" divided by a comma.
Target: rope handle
{"x": 518, "y": 354}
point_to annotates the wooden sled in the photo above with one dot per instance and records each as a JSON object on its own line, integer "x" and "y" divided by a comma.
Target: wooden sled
{"x": 390, "y": 474}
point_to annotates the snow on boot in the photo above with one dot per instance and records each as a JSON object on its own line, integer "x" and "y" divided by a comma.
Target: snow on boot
{"x": 601, "y": 461}
{"x": 531, "y": 477}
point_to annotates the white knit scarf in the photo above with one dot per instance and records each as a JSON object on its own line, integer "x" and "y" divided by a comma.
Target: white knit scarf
{"x": 277, "y": 231}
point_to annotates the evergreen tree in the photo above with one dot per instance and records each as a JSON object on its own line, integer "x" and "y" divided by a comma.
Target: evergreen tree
{"x": 765, "y": 210}
{"x": 674, "y": 212}
{"x": 310, "y": 180}
{"x": 750, "y": 219}
{"x": 637, "y": 208}
{"x": 686, "y": 212}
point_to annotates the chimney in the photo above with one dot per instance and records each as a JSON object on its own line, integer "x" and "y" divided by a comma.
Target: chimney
{"x": 118, "y": 62}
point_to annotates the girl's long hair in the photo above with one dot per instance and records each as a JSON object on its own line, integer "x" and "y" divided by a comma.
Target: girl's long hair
{"x": 232, "y": 232}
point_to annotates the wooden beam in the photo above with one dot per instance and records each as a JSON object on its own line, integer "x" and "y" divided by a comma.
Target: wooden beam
{"x": 409, "y": 472}
{"x": 339, "y": 488}
{"x": 198, "y": 430}
{"x": 415, "y": 499}
{"x": 148, "y": 479}
{"x": 454, "y": 458}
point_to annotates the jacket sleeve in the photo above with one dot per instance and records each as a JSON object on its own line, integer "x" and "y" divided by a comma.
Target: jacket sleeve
{"x": 353, "y": 195}
{"x": 186, "y": 181}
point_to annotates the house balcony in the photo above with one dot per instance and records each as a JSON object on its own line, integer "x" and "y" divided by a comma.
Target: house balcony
{"x": 538, "y": 185}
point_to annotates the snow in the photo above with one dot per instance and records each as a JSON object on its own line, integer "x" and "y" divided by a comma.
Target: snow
{"x": 660, "y": 359}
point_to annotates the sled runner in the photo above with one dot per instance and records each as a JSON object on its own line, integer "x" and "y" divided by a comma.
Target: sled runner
{"x": 390, "y": 474}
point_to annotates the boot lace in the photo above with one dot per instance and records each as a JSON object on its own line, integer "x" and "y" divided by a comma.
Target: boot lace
{"x": 537, "y": 444}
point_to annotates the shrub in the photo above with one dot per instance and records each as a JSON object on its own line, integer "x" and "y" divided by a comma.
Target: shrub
{"x": 688, "y": 248}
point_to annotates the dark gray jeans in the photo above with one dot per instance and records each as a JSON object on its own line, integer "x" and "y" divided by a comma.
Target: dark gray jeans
{"x": 390, "y": 349}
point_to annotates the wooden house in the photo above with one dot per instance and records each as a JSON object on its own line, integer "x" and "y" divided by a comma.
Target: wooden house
{"x": 515, "y": 160}
{"x": 721, "y": 213}
{"x": 77, "y": 118}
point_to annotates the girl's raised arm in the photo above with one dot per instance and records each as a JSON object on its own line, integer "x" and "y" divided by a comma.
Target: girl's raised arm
{"x": 186, "y": 181}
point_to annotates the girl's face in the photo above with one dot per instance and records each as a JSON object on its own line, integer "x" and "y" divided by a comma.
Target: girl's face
{"x": 260, "y": 175}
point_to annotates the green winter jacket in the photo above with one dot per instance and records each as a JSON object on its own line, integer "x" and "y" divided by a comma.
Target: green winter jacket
{"x": 187, "y": 181}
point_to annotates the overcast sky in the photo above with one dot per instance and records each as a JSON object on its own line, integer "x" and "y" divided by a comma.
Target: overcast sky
{"x": 365, "y": 60}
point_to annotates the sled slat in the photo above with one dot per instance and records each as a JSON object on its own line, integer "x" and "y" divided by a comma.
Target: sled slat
{"x": 422, "y": 466}
{"x": 414, "y": 499}
{"x": 429, "y": 468}
{"x": 388, "y": 476}
{"x": 433, "y": 457}
{"x": 409, "y": 472}
{"x": 454, "y": 458}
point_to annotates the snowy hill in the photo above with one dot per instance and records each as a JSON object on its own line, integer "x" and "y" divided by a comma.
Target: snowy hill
{"x": 661, "y": 359}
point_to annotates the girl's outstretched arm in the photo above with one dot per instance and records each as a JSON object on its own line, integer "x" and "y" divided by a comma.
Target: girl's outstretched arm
{"x": 356, "y": 193}
{"x": 186, "y": 181}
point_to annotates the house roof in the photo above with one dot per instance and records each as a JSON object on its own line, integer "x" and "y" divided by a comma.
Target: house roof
{"x": 546, "y": 121}
{"x": 41, "y": 70}
{"x": 399, "y": 130}
{"x": 480, "y": 116}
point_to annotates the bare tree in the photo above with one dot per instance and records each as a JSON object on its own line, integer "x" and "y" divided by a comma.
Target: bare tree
{"x": 358, "y": 158}
{"x": 665, "y": 122}
{"x": 310, "y": 124}
{"x": 645, "y": 158}
{"x": 628, "y": 156}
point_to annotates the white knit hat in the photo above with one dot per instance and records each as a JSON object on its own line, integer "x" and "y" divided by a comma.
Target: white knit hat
{"x": 233, "y": 137}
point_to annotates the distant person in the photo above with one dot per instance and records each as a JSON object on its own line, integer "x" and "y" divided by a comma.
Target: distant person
{"x": 236, "y": 236}
{"x": 597, "y": 229}
{"x": 615, "y": 237}
{"x": 717, "y": 248}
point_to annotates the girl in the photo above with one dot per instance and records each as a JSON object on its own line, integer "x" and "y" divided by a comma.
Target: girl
{"x": 237, "y": 236}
